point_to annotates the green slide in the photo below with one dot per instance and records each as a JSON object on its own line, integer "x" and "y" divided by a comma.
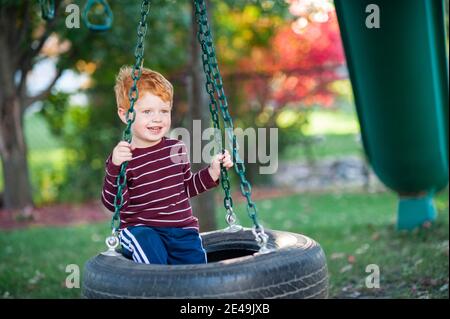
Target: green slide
{"x": 398, "y": 66}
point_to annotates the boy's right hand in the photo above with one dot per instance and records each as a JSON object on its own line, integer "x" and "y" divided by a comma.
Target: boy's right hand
{"x": 122, "y": 153}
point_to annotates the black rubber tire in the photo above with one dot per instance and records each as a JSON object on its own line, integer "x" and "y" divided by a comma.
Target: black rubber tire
{"x": 296, "y": 269}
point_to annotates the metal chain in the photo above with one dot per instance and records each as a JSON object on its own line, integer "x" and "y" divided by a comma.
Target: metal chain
{"x": 133, "y": 96}
{"x": 215, "y": 84}
{"x": 230, "y": 217}
{"x": 108, "y": 20}
{"x": 47, "y": 9}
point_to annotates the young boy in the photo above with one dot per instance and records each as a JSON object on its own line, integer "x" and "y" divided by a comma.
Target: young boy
{"x": 156, "y": 221}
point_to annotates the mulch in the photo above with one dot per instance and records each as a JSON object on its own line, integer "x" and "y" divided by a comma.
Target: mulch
{"x": 66, "y": 214}
{"x": 53, "y": 215}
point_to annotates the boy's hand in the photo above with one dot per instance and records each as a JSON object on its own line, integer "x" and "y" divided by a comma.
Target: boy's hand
{"x": 214, "y": 168}
{"x": 122, "y": 153}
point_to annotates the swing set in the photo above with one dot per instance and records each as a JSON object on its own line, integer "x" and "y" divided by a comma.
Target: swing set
{"x": 242, "y": 262}
{"x": 48, "y": 13}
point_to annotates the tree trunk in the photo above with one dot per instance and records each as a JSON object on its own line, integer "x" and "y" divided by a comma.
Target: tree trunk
{"x": 17, "y": 190}
{"x": 203, "y": 205}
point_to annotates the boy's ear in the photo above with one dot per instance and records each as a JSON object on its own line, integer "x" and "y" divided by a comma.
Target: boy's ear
{"x": 122, "y": 114}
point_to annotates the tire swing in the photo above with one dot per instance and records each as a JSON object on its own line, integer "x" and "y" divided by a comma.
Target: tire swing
{"x": 242, "y": 262}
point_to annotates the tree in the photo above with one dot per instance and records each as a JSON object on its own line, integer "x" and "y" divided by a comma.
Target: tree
{"x": 275, "y": 58}
{"x": 24, "y": 36}
{"x": 300, "y": 65}
{"x": 19, "y": 50}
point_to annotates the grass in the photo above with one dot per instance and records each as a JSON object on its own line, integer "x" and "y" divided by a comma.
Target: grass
{"x": 330, "y": 146}
{"x": 338, "y": 133}
{"x": 332, "y": 122}
{"x": 34, "y": 261}
{"x": 354, "y": 229}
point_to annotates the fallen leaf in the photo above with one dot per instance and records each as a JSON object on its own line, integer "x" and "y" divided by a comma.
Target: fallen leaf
{"x": 429, "y": 282}
{"x": 355, "y": 294}
{"x": 36, "y": 278}
{"x": 346, "y": 268}
{"x": 335, "y": 256}
{"x": 96, "y": 238}
{"x": 424, "y": 296}
{"x": 362, "y": 249}
{"x": 418, "y": 262}
{"x": 347, "y": 288}
{"x": 426, "y": 225}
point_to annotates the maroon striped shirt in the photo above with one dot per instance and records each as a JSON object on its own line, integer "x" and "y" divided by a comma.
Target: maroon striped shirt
{"x": 159, "y": 185}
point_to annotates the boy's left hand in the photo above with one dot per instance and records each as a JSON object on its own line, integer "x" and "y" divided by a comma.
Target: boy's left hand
{"x": 214, "y": 168}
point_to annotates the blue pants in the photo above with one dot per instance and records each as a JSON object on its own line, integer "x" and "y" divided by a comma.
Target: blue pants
{"x": 162, "y": 245}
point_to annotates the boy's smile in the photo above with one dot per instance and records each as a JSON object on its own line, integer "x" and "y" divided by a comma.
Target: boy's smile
{"x": 152, "y": 120}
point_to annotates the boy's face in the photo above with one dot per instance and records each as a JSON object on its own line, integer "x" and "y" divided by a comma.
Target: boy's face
{"x": 153, "y": 119}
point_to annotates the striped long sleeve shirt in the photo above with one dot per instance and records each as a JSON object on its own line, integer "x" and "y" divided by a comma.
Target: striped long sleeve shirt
{"x": 159, "y": 185}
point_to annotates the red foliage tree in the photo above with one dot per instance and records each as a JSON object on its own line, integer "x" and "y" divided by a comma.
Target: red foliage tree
{"x": 299, "y": 64}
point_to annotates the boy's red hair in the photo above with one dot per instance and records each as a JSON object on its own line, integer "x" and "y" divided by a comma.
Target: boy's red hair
{"x": 150, "y": 81}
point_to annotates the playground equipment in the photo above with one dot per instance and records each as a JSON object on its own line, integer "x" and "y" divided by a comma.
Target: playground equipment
{"x": 243, "y": 263}
{"x": 399, "y": 74}
{"x": 48, "y": 13}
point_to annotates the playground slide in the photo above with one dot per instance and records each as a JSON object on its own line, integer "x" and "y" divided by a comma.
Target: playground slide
{"x": 398, "y": 65}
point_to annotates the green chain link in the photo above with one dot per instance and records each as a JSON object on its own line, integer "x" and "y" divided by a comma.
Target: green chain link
{"x": 215, "y": 85}
{"x": 133, "y": 96}
{"x": 213, "y": 107}
{"x": 47, "y": 9}
{"x": 106, "y": 10}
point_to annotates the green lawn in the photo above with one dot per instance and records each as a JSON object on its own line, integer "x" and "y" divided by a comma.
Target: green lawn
{"x": 336, "y": 133}
{"x": 354, "y": 229}
{"x": 332, "y": 122}
{"x": 333, "y": 145}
